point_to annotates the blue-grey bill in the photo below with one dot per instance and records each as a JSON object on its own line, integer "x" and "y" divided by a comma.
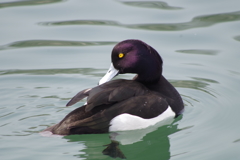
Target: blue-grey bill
{"x": 111, "y": 73}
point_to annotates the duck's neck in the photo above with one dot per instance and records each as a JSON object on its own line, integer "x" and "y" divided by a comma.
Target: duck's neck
{"x": 147, "y": 78}
{"x": 165, "y": 88}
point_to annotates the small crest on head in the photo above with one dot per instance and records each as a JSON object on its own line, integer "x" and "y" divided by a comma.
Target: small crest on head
{"x": 120, "y": 55}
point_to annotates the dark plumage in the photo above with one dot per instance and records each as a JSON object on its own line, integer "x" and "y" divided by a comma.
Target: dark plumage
{"x": 147, "y": 96}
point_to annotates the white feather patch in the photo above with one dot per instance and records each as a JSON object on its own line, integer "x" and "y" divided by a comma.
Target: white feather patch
{"x": 127, "y": 121}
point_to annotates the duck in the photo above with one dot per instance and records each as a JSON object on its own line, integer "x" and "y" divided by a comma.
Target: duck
{"x": 122, "y": 104}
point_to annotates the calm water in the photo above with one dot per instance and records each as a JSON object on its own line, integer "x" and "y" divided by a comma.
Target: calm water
{"x": 51, "y": 49}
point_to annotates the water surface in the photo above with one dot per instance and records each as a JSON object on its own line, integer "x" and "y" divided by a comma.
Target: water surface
{"x": 51, "y": 49}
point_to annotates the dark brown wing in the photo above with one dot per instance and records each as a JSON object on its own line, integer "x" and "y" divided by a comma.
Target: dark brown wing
{"x": 78, "y": 97}
{"x": 114, "y": 91}
{"x": 145, "y": 106}
{"x": 108, "y": 93}
{"x": 106, "y": 102}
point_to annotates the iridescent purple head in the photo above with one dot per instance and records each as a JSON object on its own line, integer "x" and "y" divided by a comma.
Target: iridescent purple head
{"x": 135, "y": 56}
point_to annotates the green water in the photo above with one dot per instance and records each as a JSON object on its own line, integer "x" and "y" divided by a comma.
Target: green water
{"x": 51, "y": 49}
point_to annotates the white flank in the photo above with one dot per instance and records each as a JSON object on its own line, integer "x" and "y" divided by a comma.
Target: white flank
{"x": 127, "y": 121}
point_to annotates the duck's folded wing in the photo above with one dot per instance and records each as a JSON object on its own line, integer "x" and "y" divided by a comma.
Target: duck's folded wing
{"x": 145, "y": 106}
{"x": 113, "y": 92}
{"x": 109, "y": 93}
{"x": 99, "y": 90}
{"x": 79, "y": 96}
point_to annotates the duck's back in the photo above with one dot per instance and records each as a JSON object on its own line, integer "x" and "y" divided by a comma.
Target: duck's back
{"x": 108, "y": 101}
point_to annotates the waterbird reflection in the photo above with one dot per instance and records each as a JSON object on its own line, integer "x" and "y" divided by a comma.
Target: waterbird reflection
{"x": 128, "y": 144}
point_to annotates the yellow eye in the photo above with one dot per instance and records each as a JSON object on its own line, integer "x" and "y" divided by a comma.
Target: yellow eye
{"x": 120, "y": 55}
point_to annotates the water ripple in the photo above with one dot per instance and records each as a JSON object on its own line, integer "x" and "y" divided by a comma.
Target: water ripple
{"x": 84, "y": 71}
{"x": 237, "y": 38}
{"x": 196, "y": 22}
{"x": 45, "y": 43}
{"x": 27, "y": 3}
{"x": 199, "y": 51}
{"x": 196, "y": 83}
{"x": 40, "y": 115}
{"x": 1, "y": 116}
{"x": 151, "y": 4}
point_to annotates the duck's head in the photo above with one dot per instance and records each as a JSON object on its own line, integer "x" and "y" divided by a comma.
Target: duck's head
{"x": 135, "y": 56}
